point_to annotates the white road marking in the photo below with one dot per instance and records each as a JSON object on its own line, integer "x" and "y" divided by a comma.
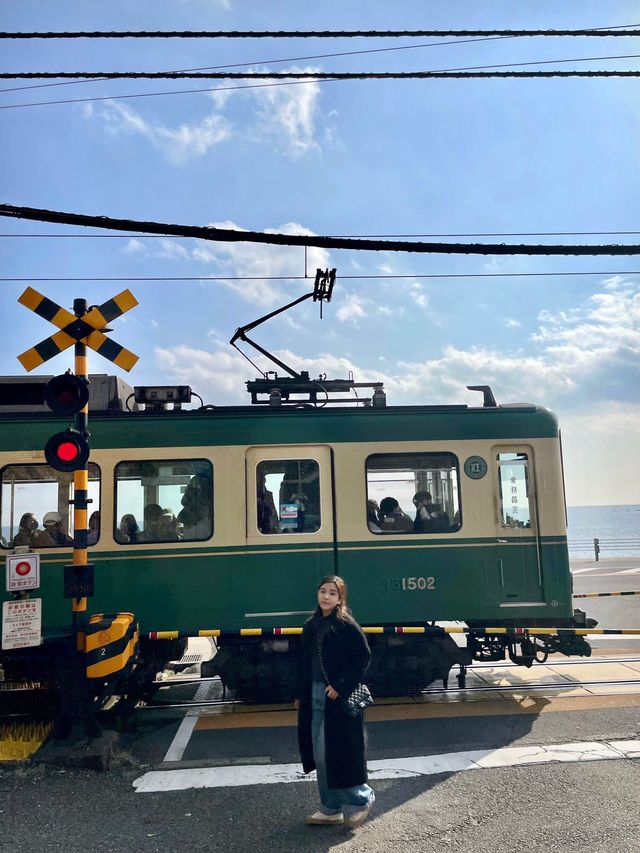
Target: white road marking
{"x": 180, "y": 741}
{"x": 389, "y": 768}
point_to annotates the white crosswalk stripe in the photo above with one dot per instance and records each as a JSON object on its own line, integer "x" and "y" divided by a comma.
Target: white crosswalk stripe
{"x": 389, "y": 768}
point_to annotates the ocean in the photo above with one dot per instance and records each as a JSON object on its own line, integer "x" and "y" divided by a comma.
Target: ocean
{"x": 617, "y": 528}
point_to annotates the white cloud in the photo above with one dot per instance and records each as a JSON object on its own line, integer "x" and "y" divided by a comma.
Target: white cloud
{"x": 260, "y": 262}
{"x": 510, "y": 323}
{"x": 178, "y": 144}
{"x": 352, "y": 310}
{"x": 597, "y": 343}
{"x": 172, "y": 250}
{"x": 287, "y": 115}
{"x": 133, "y": 246}
{"x": 421, "y": 299}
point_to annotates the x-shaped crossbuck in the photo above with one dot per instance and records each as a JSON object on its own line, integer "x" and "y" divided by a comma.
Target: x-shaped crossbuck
{"x": 86, "y": 329}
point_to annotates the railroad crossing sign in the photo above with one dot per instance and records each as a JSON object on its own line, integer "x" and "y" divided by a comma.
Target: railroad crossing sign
{"x": 86, "y": 329}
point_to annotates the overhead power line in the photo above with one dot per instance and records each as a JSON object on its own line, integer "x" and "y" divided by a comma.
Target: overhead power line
{"x": 229, "y": 235}
{"x": 262, "y": 85}
{"x": 300, "y": 75}
{"x": 396, "y": 48}
{"x": 386, "y": 236}
{"x": 277, "y": 61}
{"x": 279, "y": 34}
{"x": 141, "y": 278}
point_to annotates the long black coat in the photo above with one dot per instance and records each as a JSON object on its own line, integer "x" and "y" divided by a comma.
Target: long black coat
{"x": 345, "y": 656}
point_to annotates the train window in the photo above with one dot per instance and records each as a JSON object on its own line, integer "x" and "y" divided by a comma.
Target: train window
{"x": 295, "y": 483}
{"x": 164, "y": 500}
{"x": 36, "y": 508}
{"x": 515, "y": 511}
{"x": 413, "y": 493}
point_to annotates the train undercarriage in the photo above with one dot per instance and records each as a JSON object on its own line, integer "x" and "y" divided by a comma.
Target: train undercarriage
{"x": 402, "y": 664}
{"x": 265, "y": 668}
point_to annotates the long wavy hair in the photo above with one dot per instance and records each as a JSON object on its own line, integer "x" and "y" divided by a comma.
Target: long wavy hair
{"x": 341, "y": 611}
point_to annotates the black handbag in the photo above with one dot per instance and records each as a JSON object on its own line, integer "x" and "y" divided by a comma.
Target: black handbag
{"x": 360, "y": 699}
{"x": 357, "y": 701}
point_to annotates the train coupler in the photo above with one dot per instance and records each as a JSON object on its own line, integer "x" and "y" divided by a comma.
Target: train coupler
{"x": 531, "y": 651}
{"x": 569, "y": 645}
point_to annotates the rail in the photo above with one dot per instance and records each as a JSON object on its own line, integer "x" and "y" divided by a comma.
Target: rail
{"x": 629, "y": 547}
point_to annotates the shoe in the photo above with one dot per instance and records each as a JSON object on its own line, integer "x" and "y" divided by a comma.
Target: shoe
{"x": 356, "y": 819}
{"x": 322, "y": 819}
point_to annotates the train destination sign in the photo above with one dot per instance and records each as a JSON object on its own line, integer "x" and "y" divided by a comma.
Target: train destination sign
{"x": 22, "y": 623}
{"x": 23, "y": 572}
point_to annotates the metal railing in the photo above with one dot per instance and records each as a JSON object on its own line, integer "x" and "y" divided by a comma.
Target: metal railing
{"x": 609, "y": 547}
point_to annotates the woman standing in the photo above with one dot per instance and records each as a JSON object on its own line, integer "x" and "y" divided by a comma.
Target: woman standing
{"x": 335, "y": 656}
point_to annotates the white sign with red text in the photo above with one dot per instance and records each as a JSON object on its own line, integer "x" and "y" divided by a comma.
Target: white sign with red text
{"x": 23, "y": 572}
{"x": 22, "y": 623}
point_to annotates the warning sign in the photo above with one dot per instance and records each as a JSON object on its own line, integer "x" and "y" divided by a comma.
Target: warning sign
{"x": 23, "y": 572}
{"x": 22, "y": 623}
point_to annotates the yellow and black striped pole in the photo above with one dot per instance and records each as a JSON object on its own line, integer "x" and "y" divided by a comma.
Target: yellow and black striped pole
{"x": 80, "y": 488}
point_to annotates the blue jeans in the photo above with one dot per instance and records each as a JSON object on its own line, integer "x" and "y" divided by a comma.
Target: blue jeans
{"x": 334, "y": 800}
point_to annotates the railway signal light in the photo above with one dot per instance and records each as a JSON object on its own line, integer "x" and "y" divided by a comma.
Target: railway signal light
{"x": 66, "y": 394}
{"x": 67, "y": 451}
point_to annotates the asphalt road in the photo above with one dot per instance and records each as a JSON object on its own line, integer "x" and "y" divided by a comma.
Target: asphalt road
{"x": 573, "y": 807}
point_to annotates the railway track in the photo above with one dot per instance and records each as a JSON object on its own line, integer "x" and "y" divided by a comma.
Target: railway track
{"x": 429, "y": 691}
{"x": 35, "y": 699}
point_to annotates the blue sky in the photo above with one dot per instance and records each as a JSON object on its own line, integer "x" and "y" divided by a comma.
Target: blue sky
{"x": 375, "y": 157}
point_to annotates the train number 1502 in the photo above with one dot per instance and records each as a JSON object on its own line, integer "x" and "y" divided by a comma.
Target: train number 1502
{"x": 396, "y": 584}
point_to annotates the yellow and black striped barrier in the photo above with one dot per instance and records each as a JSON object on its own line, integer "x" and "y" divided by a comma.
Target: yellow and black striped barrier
{"x": 606, "y": 594}
{"x": 433, "y": 630}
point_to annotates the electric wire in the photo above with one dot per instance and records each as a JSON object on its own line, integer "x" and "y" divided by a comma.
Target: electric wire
{"x": 229, "y": 235}
{"x": 453, "y": 234}
{"x": 212, "y": 34}
{"x": 158, "y": 94}
{"x": 297, "y": 59}
{"x": 439, "y": 72}
{"x": 274, "y": 61}
{"x": 307, "y": 75}
{"x": 167, "y": 278}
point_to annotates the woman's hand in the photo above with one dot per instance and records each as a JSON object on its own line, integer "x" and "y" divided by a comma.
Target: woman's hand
{"x": 331, "y": 693}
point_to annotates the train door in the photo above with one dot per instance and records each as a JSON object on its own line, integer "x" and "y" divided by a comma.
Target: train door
{"x": 290, "y": 541}
{"x": 518, "y": 557}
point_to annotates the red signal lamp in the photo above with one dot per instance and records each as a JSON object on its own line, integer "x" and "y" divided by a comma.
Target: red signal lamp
{"x": 66, "y": 394}
{"x": 67, "y": 451}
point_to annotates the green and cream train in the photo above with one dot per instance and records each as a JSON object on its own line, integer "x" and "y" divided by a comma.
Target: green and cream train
{"x": 220, "y": 521}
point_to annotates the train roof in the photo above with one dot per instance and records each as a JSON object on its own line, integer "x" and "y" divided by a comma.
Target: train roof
{"x": 112, "y": 424}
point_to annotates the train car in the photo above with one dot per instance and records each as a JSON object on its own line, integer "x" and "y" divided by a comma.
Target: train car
{"x": 221, "y": 521}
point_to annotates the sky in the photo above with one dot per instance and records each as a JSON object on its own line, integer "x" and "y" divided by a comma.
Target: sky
{"x": 392, "y": 157}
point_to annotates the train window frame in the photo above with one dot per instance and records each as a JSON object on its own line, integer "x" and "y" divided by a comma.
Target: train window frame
{"x": 164, "y": 461}
{"x": 524, "y": 457}
{"x": 302, "y": 500}
{"x": 59, "y": 477}
{"x": 456, "y": 493}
